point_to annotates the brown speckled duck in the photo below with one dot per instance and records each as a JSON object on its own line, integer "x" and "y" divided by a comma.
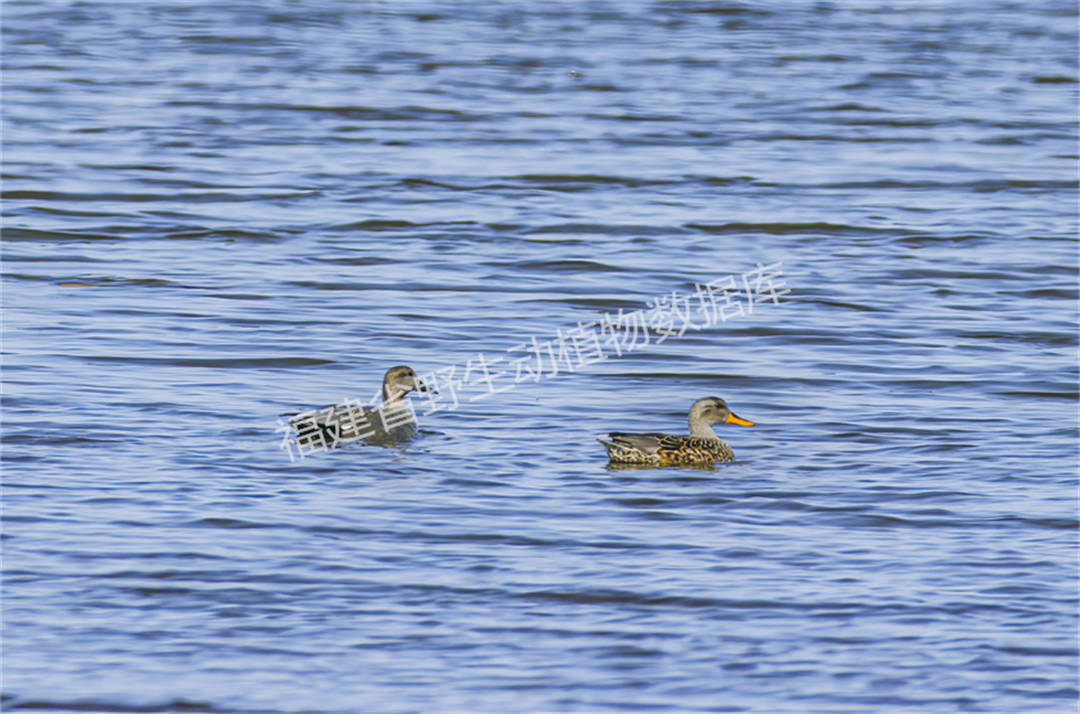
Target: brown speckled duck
{"x": 392, "y": 423}
{"x": 701, "y": 447}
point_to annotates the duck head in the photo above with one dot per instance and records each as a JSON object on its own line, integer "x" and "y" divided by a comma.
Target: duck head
{"x": 712, "y": 410}
{"x": 399, "y": 381}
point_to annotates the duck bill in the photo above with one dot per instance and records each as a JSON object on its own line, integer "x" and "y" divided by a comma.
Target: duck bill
{"x": 732, "y": 419}
{"x": 421, "y": 387}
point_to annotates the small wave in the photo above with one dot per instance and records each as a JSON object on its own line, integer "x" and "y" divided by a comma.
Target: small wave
{"x": 212, "y": 363}
{"x": 576, "y": 266}
{"x": 188, "y": 197}
{"x": 567, "y": 182}
{"x": 105, "y": 705}
{"x": 837, "y": 229}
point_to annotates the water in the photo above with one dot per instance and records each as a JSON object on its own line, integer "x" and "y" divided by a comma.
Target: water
{"x": 219, "y": 213}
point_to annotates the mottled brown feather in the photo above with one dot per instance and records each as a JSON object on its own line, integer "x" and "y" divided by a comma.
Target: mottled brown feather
{"x": 665, "y": 449}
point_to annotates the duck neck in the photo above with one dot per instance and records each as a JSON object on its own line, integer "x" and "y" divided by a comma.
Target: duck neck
{"x": 391, "y": 397}
{"x": 701, "y": 430}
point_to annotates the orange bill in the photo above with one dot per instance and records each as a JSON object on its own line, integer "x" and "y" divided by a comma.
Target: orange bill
{"x": 732, "y": 419}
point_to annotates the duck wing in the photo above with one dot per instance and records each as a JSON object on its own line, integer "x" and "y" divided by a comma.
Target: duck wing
{"x": 649, "y": 443}
{"x": 337, "y": 423}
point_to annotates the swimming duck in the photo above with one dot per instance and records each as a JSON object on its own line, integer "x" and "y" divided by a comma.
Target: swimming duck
{"x": 701, "y": 447}
{"x": 391, "y": 423}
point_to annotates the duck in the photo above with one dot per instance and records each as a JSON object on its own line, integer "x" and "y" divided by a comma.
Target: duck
{"x": 392, "y": 423}
{"x": 700, "y": 447}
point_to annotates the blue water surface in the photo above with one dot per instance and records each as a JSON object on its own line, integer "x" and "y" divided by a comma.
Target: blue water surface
{"x": 219, "y": 213}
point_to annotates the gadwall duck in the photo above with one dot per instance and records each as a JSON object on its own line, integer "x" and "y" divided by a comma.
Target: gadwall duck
{"x": 391, "y": 423}
{"x": 701, "y": 447}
